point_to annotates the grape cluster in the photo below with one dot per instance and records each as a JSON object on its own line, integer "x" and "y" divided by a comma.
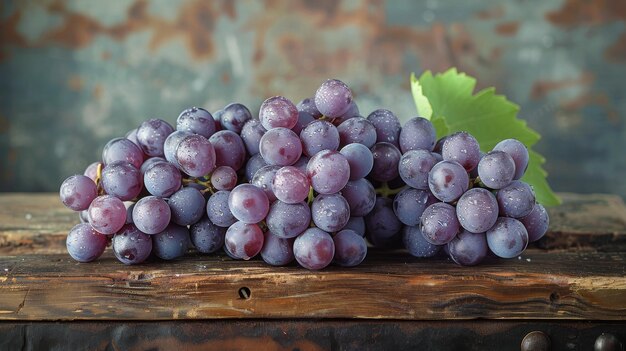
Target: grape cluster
{"x": 312, "y": 182}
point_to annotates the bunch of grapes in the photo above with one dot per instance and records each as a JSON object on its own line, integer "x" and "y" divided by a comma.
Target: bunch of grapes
{"x": 316, "y": 183}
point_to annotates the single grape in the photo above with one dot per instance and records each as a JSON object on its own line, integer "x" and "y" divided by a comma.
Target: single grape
{"x": 229, "y": 149}
{"x": 132, "y": 136}
{"x": 357, "y": 130}
{"x": 496, "y": 169}
{"x": 244, "y": 240}
{"x": 518, "y": 152}
{"x": 130, "y": 206}
{"x": 234, "y": 117}
{"x": 314, "y": 249}
{"x": 77, "y": 192}
{"x": 91, "y": 171}
{"x": 122, "y": 180}
{"x": 304, "y": 119}
{"x": 263, "y": 178}
{"x": 131, "y": 246}
{"x": 196, "y": 156}
{"x": 417, "y": 133}
{"x": 329, "y": 171}
{"x": 187, "y": 206}
{"x": 416, "y": 244}
{"x": 196, "y": 120}
{"x": 224, "y": 178}
{"x": 162, "y": 179}
{"x": 277, "y": 112}
{"x": 357, "y": 224}
{"x": 248, "y": 203}
{"x": 122, "y": 149}
{"x": 85, "y": 244}
{"x": 507, "y": 238}
{"x": 330, "y": 212}
{"x": 463, "y": 148}
{"x": 251, "y": 135}
{"x": 148, "y": 163}
{"x": 277, "y": 251}
{"x": 151, "y": 136}
{"x": 516, "y": 200}
{"x": 477, "y": 210}
{"x": 280, "y": 147}
{"x": 317, "y": 136}
{"x": 288, "y": 220}
{"x": 255, "y": 163}
{"x": 107, "y": 214}
{"x": 302, "y": 162}
{"x": 382, "y": 225}
{"x": 350, "y": 248}
{"x": 151, "y": 214}
{"x": 171, "y": 144}
{"x": 359, "y": 158}
{"x": 218, "y": 211}
{"x": 474, "y": 172}
{"x": 439, "y": 145}
{"x": 171, "y": 243}
{"x": 83, "y": 216}
{"x": 206, "y": 236}
{"x": 439, "y": 223}
{"x": 414, "y": 167}
{"x": 439, "y": 158}
{"x": 387, "y": 126}
{"x": 333, "y": 98}
{"x": 448, "y": 180}
{"x": 409, "y": 204}
{"x": 361, "y": 196}
{"x": 386, "y": 160}
{"x": 351, "y": 112}
{"x": 536, "y": 222}
{"x": 291, "y": 185}
{"x": 468, "y": 249}
{"x": 308, "y": 105}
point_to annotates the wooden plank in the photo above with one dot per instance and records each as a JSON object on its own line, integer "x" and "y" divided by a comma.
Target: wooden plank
{"x": 388, "y": 285}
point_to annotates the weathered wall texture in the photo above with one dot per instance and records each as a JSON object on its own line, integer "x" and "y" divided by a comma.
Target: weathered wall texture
{"x": 74, "y": 74}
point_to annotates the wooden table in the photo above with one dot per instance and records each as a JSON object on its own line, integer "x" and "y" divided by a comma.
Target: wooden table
{"x": 571, "y": 286}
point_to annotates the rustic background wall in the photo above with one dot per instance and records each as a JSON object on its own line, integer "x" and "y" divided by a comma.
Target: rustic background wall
{"x": 74, "y": 74}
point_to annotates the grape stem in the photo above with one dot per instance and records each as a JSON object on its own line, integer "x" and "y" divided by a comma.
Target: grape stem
{"x": 207, "y": 184}
{"x": 98, "y": 179}
{"x": 311, "y": 196}
{"x": 386, "y": 191}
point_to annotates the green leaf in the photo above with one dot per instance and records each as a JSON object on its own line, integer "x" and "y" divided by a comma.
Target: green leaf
{"x": 448, "y": 98}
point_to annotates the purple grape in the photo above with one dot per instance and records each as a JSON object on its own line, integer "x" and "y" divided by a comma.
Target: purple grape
{"x": 330, "y": 212}
{"x": 439, "y": 223}
{"x": 462, "y": 148}
{"x": 288, "y": 220}
{"x": 333, "y": 98}
{"x": 187, "y": 206}
{"x": 308, "y": 105}
{"x": 224, "y": 178}
{"x": 151, "y": 214}
{"x": 244, "y": 240}
{"x": 414, "y": 167}
{"x": 507, "y": 238}
{"x": 131, "y": 246}
{"x": 416, "y": 244}
{"x": 439, "y": 145}
{"x": 359, "y": 158}
{"x": 518, "y": 152}
{"x": 468, "y": 249}
{"x": 439, "y": 158}
{"x": 196, "y": 156}
{"x": 229, "y": 149}
{"x": 329, "y": 171}
{"x": 382, "y": 225}
{"x": 277, "y": 251}
{"x": 302, "y": 162}
{"x": 361, "y": 197}
{"x": 83, "y": 216}
{"x": 314, "y": 249}
{"x": 171, "y": 243}
{"x": 248, "y": 203}
{"x": 251, "y": 135}
{"x": 356, "y": 224}
{"x": 234, "y": 117}
{"x": 171, "y": 144}
{"x": 291, "y": 185}
{"x": 386, "y": 161}
{"x": 91, "y": 171}
{"x": 448, "y": 180}
{"x": 477, "y": 210}
{"x": 132, "y": 136}
{"x": 122, "y": 180}
{"x": 350, "y": 248}
{"x": 85, "y": 244}
{"x": 196, "y": 120}
{"x": 206, "y": 236}
{"x": 496, "y": 169}
{"x": 536, "y": 223}
{"x": 148, "y": 163}
{"x": 218, "y": 211}
{"x": 77, "y": 192}
{"x": 255, "y": 163}
{"x": 107, "y": 214}
{"x": 122, "y": 149}
{"x": 317, "y": 136}
{"x": 516, "y": 200}
{"x": 351, "y": 112}
{"x": 151, "y": 136}
{"x": 387, "y": 126}
{"x": 162, "y": 179}
{"x": 357, "y": 130}
{"x": 409, "y": 204}
{"x": 473, "y": 174}
{"x": 277, "y": 112}
{"x": 417, "y": 133}
{"x": 304, "y": 119}
{"x": 263, "y": 178}
{"x": 280, "y": 147}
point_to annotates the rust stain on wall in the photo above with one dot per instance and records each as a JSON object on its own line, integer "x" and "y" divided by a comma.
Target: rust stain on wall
{"x": 576, "y": 12}
{"x": 507, "y": 29}
{"x": 541, "y": 88}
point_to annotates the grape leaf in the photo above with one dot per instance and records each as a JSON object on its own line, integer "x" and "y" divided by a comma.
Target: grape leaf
{"x": 447, "y": 100}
